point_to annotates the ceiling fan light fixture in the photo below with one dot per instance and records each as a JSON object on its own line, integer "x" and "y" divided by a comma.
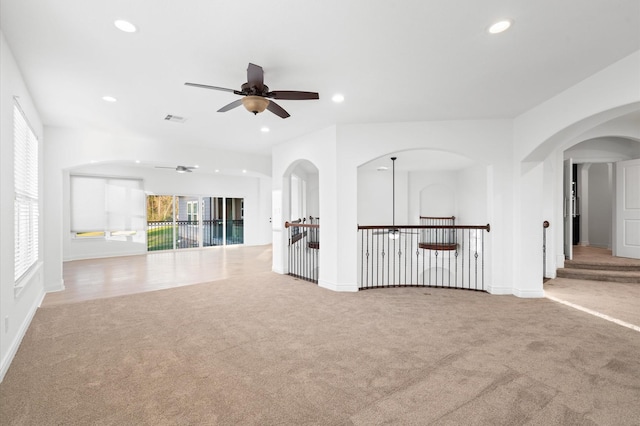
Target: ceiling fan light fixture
{"x": 255, "y": 104}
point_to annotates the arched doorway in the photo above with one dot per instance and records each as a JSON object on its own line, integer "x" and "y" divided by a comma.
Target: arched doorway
{"x": 301, "y": 210}
{"x": 594, "y": 207}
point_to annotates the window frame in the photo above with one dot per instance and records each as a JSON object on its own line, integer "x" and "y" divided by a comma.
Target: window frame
{"x": 26, "y": 187}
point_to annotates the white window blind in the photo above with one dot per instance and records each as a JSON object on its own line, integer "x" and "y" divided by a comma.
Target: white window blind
{"x": 26, "y": 213}
{"x": 106, "y": 204}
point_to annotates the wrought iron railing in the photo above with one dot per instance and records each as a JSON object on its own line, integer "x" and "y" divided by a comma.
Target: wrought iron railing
{"x": 303, "y": 248}
{"x": 212, "y": 232}
{"x": 454, "y": 258}
{"x": 438, "y": 236}
{"x": 314, "y": 233}
{"x": 160, "y": 235}
{"x": 235, "y": 231}
{"x": 186, "y": 233}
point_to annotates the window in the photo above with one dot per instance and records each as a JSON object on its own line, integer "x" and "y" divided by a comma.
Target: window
{"x": 26, "y": 210}
{"x": 106, "y": 207}
{"x": 192, "y": 211}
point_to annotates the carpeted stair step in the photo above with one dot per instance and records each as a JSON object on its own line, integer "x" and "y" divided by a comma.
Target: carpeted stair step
{"x": 618, "y": 275}
{"x": 600, "y": 266}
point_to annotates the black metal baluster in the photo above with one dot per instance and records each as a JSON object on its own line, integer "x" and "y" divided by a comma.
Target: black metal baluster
{"x": 483, "y": 261}
{"x": 469, "y": 253}
{"x": 475, "y": 284}
{"x": 456, "y": 259}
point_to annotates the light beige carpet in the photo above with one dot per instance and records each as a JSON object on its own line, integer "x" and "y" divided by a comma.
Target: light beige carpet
{"x": 269, "y": 349}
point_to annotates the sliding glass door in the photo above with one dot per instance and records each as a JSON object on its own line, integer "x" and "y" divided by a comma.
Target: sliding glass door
{"x": 235, "y": 220}
{"x": 212, "y": 220}
{"x": 160, "y": 223}
{"x": 176, "y": 222}
{"x": 188, "y": 222}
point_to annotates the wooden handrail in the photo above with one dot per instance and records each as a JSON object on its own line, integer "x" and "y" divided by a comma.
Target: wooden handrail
{"x": 301, "y": 225}
{"x": 486, "y": 227}
{"x": 438, "y": 218}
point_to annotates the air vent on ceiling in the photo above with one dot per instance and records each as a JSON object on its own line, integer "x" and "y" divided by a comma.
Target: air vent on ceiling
{"x": 175, "y": 118}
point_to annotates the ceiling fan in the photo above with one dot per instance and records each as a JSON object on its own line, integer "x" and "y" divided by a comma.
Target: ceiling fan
{"x": 179, "y": 169}
{"x": 256, "y": 95}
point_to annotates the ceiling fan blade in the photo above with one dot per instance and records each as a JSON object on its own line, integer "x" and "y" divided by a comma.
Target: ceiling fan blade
{"x": 232, "y": 105}
{"x": 292, "y": 95}
{"x": 277, "y": 110}
{"x": 255, "y": 76}
{"x": 204, "y": 86}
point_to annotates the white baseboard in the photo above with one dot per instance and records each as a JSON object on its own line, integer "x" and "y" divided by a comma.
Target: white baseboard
{"x": 528, "y": 294}
{"x": 499, "y": 290}
{"x": 22, "y": 330}
{"x": 338, "y": 287}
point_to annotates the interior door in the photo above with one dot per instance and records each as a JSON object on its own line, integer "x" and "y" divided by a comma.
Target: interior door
{"x": 627, "y": 209}
{"x": 567, "y": 209}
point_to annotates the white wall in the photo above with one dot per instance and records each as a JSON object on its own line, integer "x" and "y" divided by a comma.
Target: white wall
{"x": 167, "y": 182}
{"x": 471, "y": 196}
{"x": 461, "y": 193}
{"x": 16, "y": 309}
{"x": 318, "y": 148}
{"x": 604, "y": 149}
{"x": 432, "y": 194}
{"x": 375, "y": 195}
{"x": 608, "y": 94}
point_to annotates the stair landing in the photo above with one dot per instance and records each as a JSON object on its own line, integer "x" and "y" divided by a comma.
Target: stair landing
{"x": 597, "y": 264}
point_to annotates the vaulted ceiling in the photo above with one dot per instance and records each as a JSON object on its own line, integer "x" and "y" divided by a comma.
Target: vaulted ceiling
{"x": 393, "y": 61}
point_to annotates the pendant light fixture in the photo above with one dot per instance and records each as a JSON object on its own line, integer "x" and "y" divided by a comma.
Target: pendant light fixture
{"x": 394, "y": 233}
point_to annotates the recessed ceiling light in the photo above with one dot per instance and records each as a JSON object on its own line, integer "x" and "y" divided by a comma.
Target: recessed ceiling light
{"x": 217, "y": 171}
{"x": 125, "y": 26}
{"x": 244, "y": 171}
{"x": 337, "y": 98}
{"x": 137, "y": 161}
{"x": 109, "y": 99}
{"x": 264, "y": 130}
{"x": 382, "y": 169}
{"x": 500, "y": 26}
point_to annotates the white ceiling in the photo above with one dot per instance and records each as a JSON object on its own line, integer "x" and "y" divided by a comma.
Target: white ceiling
{"x": 393, "y": 61}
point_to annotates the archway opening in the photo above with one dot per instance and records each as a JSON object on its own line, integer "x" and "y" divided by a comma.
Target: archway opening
{"x": 301, "y": 209}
